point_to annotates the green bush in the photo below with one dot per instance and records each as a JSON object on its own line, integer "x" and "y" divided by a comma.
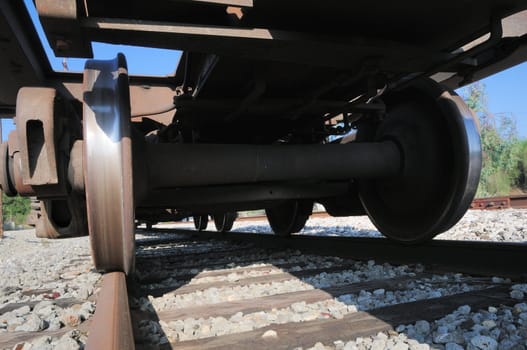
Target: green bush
{"x": 15, "y": 209}
{"x": 497, "y": 183}
{"x": 504, "y": 154}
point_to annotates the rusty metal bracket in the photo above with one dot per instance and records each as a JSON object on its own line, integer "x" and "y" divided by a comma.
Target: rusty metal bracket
{"x": 38, "y": 134}
{"x": 14, "y": 166}
{"x": 60, "y": 21}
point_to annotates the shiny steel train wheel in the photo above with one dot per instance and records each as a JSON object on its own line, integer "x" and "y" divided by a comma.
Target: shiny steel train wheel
{"x": 201, "y": 222}
{"x": 224, "y": 221}
{"x": 439, "y": 140}
{"x": 289, "y": 216}
{"x": 108, "y": 164}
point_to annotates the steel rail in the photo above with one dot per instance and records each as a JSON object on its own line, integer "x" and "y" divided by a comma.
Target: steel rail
{"x": 473, "y": 257}
{"x": 501, "y": 202}
{"x": 112, "y": 326}
{"x": 519, "y": 201}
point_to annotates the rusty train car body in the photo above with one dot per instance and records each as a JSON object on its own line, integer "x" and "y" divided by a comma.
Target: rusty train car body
{"x": 273, "y": 105}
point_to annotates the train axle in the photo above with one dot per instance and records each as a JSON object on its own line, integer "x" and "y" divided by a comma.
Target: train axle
{"x": 173, "y": 165}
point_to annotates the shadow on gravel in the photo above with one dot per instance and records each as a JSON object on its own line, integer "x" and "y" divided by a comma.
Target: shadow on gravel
{"x": 148, "y": 333}
{"x": 183, "y": 262}
{"x": 182, "y": 259}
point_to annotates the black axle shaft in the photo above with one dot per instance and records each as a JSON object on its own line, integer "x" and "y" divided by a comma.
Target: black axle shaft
{"x": 184, "y": 165}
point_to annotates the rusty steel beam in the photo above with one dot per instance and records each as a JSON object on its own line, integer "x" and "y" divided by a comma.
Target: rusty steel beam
{"x": 112, "y": 325}
{"x": 15, "y": 16}
{"x": 23, "y": 61}
{"x": 515, "y": 25}
{"x": 263, "y": 44}
{"x": 518, "y": 201}
{"x": 59, "y": 19}
{"x": 145, "y": 97}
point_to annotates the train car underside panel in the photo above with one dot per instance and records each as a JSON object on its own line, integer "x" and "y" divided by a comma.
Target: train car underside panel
{"x": 274, "y": 105}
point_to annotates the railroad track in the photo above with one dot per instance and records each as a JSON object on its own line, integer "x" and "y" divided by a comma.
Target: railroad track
{"x": 503, "y": 202}
{"x": 112, "y": 323}
{"x": 250, "y": 291}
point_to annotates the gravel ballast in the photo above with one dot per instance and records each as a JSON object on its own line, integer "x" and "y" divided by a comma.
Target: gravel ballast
{"x": 507, "y": 225}
{"x": 49, "y": 286}
{"x": 46, "y": 286}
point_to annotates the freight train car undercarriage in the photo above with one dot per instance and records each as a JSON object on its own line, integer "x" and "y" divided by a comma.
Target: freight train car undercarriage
{"x": 274, "y": 105}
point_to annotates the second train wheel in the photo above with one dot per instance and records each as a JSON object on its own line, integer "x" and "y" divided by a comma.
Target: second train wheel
{"x": 224, "y": 221}
{"x": 289, "y": 216}
{"x": 108, "y": 164}
{"x": 61, "y": 218}
{"x": 439, "y": 141}
{"x": 201, "y": 222}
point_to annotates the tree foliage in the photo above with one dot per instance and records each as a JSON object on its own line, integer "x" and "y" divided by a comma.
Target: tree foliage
{"x": 15, "y": 209}
{"x": 504, "y": 154}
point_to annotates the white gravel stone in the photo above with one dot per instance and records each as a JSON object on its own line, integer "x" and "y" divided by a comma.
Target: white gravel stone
{"x": 319, "y": 346}
{"x": 43, "y": 343}
{"x": 484, "y": 343}
{"x": 489, "y": 324}
{"x": 338, "y": 344}
{"x": 299, "y": 307}
{"x": 270, "y": 334}
{"x": 521, "y": 307}
{"x": 378, "y": 344}
{"x": 378, "y": 292}
{"x": 517, "y": 294}
{"x": 400, "y": 328}
{"x": 350, "y": 346}
{"x": 453, "y": 346}
{"x": 520, "y": 287}
{"x": 66, "y": 343}
{"x": 32, "y": 324}
{"x": 42, "y": 271}
{"x": 22, "y": 311}
{"x": 422, "y": 327}
{"x": 464, "y": 310}
{"x": 55, "y": 324}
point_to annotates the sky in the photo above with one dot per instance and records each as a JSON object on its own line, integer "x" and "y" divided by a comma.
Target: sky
{"x": 507, "y": 94}
{"x": 506, "y": 91}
